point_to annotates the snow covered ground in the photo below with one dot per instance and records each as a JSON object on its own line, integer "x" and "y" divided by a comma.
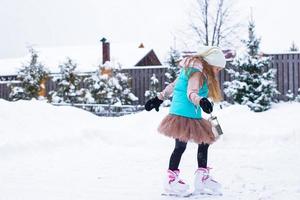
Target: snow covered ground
{"x": 61, "y": 153}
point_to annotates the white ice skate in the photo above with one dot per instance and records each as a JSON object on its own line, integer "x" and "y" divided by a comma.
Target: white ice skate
{"x": 174, "y": 186}
{"x": 205, "y": 184}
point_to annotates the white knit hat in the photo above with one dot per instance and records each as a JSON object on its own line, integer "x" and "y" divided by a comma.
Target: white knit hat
{"x": 212, "y": 55}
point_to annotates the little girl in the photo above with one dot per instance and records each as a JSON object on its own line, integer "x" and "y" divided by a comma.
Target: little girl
{"x": 197, "y": 81}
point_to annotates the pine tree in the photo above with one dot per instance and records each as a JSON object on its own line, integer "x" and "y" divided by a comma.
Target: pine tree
{"x": 252, "y": 84}
{"x": 119, "y": 90}
{"x": 294, "y": 47}
{"x": 111, "y": 87}
{"x": 97, "y": 85}
{"x": 126, "y": 95}
{"x": 153, "y": 89}
{"x": 31, "y": 77}
{"x": 67, "y": 81}
{"x": 173, "y": 68}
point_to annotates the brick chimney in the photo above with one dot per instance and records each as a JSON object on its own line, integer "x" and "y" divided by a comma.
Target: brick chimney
{"x": 105, "y": 50}
{"x": 141, "y": 46}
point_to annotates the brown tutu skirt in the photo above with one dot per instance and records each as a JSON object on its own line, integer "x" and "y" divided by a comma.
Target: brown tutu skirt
{"x": 187, "y": 129}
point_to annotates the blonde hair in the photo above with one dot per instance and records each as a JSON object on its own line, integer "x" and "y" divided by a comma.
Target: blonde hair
{"x": 212, "y": 81}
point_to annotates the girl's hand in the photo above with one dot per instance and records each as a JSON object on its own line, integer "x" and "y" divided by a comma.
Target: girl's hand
{"x": 153, "y": 103}
{"x": 206, "y": 105}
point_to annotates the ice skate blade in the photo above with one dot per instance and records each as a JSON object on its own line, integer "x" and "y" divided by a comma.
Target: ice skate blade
{"x": 184, "y": 195}
{"x": 208, "y": 193}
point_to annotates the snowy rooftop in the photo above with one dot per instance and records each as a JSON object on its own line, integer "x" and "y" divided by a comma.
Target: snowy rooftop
{"x": 281, "y": 52}
{"x": 86, "y": 57}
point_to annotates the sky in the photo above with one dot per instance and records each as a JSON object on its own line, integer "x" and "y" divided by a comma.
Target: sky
{"x": 156, "y": 23}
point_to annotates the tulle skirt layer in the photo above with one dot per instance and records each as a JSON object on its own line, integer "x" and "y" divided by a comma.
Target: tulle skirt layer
{"x": 187, "y": 129}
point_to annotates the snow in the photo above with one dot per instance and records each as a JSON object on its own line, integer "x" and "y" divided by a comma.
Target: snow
{"x": 281, "y": 52}
{"x": 49, "y": 152}
{"x": 86, "y": 57}
{"x": 154, "y": 80}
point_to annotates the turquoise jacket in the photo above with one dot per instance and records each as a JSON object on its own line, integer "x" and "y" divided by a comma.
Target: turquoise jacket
{"x": 181, "y": 105}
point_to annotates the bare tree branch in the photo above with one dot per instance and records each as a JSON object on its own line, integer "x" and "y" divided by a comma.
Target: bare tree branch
{"x": 211, "y": 22}
{"x": 218, "y": 23}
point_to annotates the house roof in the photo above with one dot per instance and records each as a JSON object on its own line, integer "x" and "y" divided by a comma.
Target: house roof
{"x": 87, "y": 58}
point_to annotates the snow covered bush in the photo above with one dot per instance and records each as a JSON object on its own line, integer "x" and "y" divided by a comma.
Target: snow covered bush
{"x": 110, "y": 85}
{"x": 119, "y": 90}
{"x": 98, "y": 88}
{"x": 290, "y": 95}
{"x": 252, "y": 83}
{"x": 153, "y": 89}
{"x": 68, "y": 81}
{"x": 297, "y": 98}
{"x": 173, "y": 68}
{"x": 31, "y": 77}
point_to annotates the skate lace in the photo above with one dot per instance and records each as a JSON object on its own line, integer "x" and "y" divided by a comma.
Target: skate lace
{"x": 206, "y": 175}
{"x": 172, "y": 178}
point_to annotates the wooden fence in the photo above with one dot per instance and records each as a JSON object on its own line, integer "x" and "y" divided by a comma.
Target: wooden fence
{"x": 288, "y": 72}
{"x": 4, "y": 90}
{"x": 287, "y": 78}
{"x": 5, "y": 81}
{"x": 140, "y": 81}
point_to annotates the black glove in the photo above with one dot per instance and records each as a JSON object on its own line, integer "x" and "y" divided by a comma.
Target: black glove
{"x": 153, "y": 103}
{"x": 206, "y": 105}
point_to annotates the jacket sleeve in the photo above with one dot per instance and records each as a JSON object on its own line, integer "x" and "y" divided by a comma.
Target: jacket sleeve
{"x": 194, "y": 84}
{"x": 168, "y": 91}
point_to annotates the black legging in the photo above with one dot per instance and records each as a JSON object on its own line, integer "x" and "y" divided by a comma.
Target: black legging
{"x": 180, "y": 148}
